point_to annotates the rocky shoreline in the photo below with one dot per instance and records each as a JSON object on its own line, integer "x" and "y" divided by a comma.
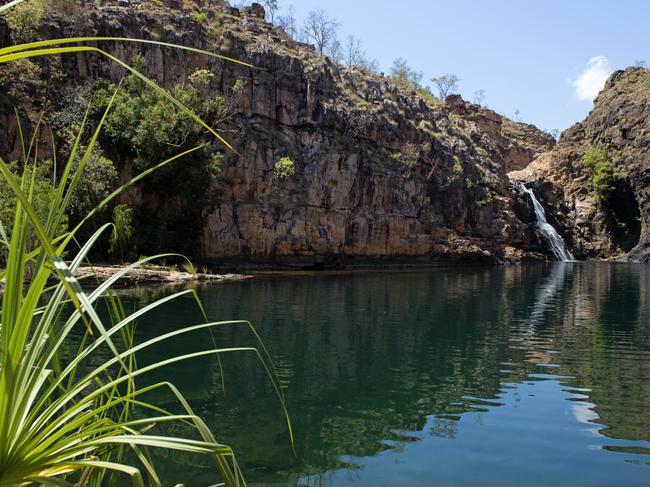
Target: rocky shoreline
{"x": 155, "y": 275}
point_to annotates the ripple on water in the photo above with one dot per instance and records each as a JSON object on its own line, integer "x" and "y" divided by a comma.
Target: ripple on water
{"x": 528, "y": 375}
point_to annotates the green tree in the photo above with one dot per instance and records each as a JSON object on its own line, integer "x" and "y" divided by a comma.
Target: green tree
{"x": 24, "y": 19}
{"x": 598, "y": 163}
{"x": 147, "y": 127}
{"x": 96, "y": 182}
{"x": 144, "y": 128}
{"x": 22, "y": 78}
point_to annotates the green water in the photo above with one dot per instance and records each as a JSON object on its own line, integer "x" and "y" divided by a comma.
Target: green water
{"x": 524, "y": 375}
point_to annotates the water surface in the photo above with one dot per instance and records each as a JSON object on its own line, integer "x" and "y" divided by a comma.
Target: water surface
{"x": 531, "y": 375}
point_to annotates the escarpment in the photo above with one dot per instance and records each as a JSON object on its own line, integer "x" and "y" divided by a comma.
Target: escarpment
{"x": 379, "y": 175}
{"x": 606, "y": 214}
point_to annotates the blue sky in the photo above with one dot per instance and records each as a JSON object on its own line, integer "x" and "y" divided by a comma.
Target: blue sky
{"x": 524, "y": 54}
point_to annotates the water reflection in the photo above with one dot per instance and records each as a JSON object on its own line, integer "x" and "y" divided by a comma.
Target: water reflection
{"x": 429, "y": 377}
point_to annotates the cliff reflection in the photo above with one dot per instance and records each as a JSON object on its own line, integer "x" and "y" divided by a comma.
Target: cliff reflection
{"x": 369, "y": 358}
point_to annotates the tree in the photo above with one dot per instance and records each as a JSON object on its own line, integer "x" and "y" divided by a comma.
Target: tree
{"x": 479, "y": 97}
{"x": 354, "y": 55}
{"x": 24, "y": 19}
{"x": 96, "y": 182}
{"x": 122, "y": 234}
{"x": 271, "y": 8}
{"x": 288, "y": 22}
{"x": 321, "y": 29}
{"x": 598, "y": 164}
{"x": 370, "y": 65}
{"x": 403, "y": 75}
{"x": 556, "y": 134}
{"x": 446, "y": 84}
{"x": 640, "y": 63}
{"x": 335, "y": 51}
{"x": 148, "y": 127}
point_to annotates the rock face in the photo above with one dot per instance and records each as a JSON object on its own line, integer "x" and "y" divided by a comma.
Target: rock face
{"x": 619, "y": 122}
{"x": 380, "y": 175}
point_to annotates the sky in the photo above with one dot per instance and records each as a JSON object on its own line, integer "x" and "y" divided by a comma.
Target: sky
{"x": 544, "y": 59}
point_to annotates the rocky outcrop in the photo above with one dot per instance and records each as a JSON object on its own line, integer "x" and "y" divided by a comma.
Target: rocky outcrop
{"x": 518, "y": 143}
{"x": 143, "y": 276}
{"x": 617, "y": 226}
{"x": 526, "y": 143}
{"x": 380, "y": 175}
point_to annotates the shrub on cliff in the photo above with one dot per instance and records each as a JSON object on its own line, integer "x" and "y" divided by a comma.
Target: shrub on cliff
{"x": 598, "y": 163}
{"x": 427, "y": 95}
{"x": 409, "y": 155}
{"x": 284, "y": 168}
{"x": 199, "y": 17}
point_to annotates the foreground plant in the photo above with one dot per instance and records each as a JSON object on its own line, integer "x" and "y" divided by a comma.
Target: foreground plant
{"x": 64, "y": 419}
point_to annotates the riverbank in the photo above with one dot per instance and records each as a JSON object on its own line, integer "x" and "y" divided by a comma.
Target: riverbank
{"x": 160, "y": 275}
{"x": 154, "y": 275}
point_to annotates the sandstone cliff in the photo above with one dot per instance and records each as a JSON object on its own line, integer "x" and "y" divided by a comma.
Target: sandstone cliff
{"x": 381, "y": 176}
{"x": 620, "y": 123}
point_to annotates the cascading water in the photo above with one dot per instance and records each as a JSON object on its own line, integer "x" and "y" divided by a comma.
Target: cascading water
{"x": 554, "y": 238}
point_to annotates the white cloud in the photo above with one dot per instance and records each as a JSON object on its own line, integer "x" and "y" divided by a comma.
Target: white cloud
{"x": 589, "y": 83}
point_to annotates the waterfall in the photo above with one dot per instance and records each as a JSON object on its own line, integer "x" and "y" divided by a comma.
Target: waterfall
{"x": 554, "y": 238}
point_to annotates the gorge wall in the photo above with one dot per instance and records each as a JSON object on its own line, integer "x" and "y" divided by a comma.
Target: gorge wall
{"x": 381, "y": 176}
{"x": 616, "y": 225}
